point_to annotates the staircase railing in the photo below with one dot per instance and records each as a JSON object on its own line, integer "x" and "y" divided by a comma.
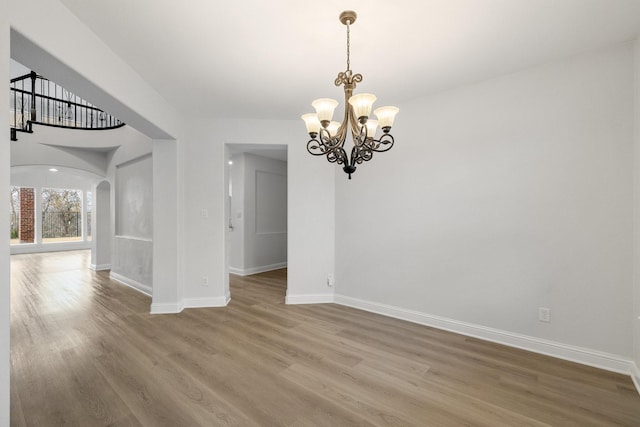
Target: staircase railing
{"x": 37, "y": 100}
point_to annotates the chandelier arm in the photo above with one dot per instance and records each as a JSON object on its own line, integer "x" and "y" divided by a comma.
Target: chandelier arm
{"x": 316, "y": 147}
{"x": 332, "y": 157}
{"x": 344, "y": 160}
{"x": 322, "y": 146}
{"x": 360, "y": 154}
{"x": 383, "y": 144}
{"x": 328, "y": 146}
{"x": 332, "y": 142}
{"x": 354, "y": 156}
{"x": 342, "y": 129}
{"x": 356, "y": 128}
{"x": 338, "y": 155}
{"x": 334, "y": 154}
{"x": 363, "y": 137}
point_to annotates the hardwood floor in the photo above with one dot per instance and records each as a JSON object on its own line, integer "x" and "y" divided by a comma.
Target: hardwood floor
{"x": 86, "y": 352}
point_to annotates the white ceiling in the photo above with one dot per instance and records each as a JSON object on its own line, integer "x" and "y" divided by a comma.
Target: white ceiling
{"x": 27, "y": 173}
{"x": 270, "y": 59}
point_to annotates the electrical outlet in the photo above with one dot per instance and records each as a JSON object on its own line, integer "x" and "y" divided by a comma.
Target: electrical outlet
{"x": 330, "y": 280}
{"x": 204, "y": 213}
{"x": 204, "y": 281}
{"x": 544, "y": 314}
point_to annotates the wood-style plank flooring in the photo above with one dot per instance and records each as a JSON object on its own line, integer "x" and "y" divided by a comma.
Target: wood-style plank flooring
{"x": 86, "y": 352}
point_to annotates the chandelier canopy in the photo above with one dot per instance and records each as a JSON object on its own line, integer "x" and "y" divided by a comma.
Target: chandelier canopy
{"x": 328, "y": 137}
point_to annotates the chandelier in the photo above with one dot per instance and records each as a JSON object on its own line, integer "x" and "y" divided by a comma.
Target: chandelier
{"x": 328, "y": 137}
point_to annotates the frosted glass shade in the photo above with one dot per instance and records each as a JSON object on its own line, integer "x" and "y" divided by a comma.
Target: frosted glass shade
{"x": 333, "y": 128}
{"x": 362, "y": 104}
{"x": 312, "y": 122}
{"x": 372, "y": 127}
{"x": 324, "y": 108}
{"x": 386, "y": 116}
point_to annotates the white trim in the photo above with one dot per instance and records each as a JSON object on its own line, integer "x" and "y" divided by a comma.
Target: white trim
{"x": 635, "y": 377}
{"x": 134, "y": 160}
{"x": 236, "y": 271}
{"x": 173, "y": 308}
{"x": 139, "y": 239}
{"x": 100, "y": 267}
{"x": 581, "y": 355}
{"x": 256, "y": 270}
{"x": 35, "y": 248}
{"x": 131, "y": 283}
{"x": 309, "y": 299}
{"x": 166, "y": 308}
{"x": 207, "y": 302}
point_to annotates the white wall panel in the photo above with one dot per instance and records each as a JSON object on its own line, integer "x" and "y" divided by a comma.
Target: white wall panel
{"x": 134, "y": 198}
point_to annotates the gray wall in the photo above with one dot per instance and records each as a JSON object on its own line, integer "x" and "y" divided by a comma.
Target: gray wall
{"x": 500, "y": 198}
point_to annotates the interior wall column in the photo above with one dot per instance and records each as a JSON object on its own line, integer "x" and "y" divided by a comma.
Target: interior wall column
{"x": 636, "y": 220}
{"x": 101, "y": 227}
{"x": 5, "y": 366}
{"x": 167, "y": 293}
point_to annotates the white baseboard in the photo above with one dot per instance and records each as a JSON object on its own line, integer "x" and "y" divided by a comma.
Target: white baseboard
{"x": 236, "y": 271}
{"x": 256, "y": 270}
{"x": 100, "y": 267}
{"x": 581, "y": 355}
{"x": 131, "y": 283}
{"x": 309, "y": 299}
{"x": 173, "y": 308}
{"x": 635, "y": 377}
{"x": 30, "y": 248}
{"x": 166, "y": 308}
{"x": 207, "y": 302}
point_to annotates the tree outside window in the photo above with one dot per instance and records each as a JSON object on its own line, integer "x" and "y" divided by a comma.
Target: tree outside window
{"x": 61, "y": 215}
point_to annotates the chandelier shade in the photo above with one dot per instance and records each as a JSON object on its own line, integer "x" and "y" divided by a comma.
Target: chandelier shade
{"x": 333, "y": 128}
{"x": 386, "y": 116}
{"x": 312, "y": 122}
{"x": 362, "y": 104}
{"x": 328, "y": 137}
{"x": 324, "y": 108}
{"x": 372, "y": 127}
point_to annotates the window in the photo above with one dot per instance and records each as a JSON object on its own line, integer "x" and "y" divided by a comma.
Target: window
{"x": 61, "y": 215}
{"x": 22, "y": 213}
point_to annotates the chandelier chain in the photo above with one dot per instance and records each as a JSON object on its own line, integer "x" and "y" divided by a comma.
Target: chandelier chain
{"x": 348, "y": 46}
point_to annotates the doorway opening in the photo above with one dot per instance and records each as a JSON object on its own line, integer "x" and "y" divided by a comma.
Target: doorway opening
{"x": 256, "y": 233}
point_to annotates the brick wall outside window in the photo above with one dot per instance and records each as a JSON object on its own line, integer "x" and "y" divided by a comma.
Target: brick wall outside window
{"x": 27, "y": 215}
